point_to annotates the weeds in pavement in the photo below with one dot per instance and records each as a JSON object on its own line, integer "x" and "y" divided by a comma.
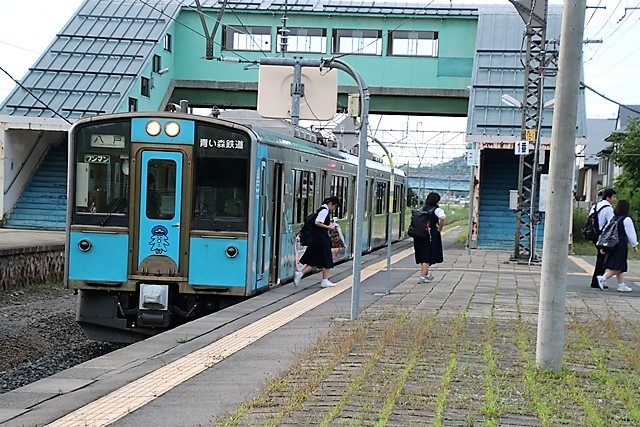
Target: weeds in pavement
{"x": 411, "y": 370}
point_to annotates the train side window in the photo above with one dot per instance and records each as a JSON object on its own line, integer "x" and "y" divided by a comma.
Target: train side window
{"x": 339, "y": 188}
{"x": 304, "y": 184}
{"x": 367, "y": 204}
{"x": 381, "y": 197}
{"x": 397, "y": 195}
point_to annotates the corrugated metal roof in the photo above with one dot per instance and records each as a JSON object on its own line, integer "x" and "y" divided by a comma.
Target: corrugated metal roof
{"x": 499, "y": 70}
{"x": 346, "y": 6}
{"x": 93, "y": 62}
{"x": 625, "y": 114}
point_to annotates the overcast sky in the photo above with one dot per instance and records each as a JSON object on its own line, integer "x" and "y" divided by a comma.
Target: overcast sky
{"x": 612, "y": 67}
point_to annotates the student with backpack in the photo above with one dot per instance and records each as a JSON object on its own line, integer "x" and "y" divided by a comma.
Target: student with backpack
{"x": 604, "y": 212}
{"x": 426, "y": 226}
{"x": 318, "y": 252}
{"x": 614, "y": 248}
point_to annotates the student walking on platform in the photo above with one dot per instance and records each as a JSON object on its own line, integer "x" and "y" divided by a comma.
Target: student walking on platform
{"x": 604, "y": 210}
{"x": 428, "y": 249}
{"x": 318, "y": 253}
{"x": 615, "y": 259}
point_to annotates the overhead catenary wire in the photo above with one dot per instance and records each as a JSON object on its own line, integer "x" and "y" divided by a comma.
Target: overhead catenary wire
{"x": 35, "y": 96}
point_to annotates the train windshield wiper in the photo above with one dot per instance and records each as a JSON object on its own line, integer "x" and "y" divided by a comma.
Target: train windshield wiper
{"x": 116, "y": 205}
{"x": 210, "y": 217}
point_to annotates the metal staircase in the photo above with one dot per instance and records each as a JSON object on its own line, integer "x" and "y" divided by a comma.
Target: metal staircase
{"x": 43, "y": 204}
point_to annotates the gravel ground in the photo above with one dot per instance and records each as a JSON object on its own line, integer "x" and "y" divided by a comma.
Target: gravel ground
{"x": 39, "y": 336}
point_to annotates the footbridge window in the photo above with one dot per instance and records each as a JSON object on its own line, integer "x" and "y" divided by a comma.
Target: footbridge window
{"x": 246, "y": 38}
{"x": 310, "y": 40}
{"x": 365, "y": 42}
{"x": 413, "y": 43}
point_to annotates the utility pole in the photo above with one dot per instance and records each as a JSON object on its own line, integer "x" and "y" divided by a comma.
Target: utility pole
{"x": 551, "y": 313}
{"x": 534, "y": 15}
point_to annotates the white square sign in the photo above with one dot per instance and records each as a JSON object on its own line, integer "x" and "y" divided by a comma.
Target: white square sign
{"x": 473, "y": 157}
{"x": 522, "y": 148}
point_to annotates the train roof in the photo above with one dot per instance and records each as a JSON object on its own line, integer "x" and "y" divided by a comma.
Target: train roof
{"x": 281, "y": 132}
{"x": 268, "y": 131}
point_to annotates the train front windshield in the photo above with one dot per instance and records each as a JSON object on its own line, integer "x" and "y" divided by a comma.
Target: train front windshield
{"x": 221, "y": 179}
{"x": 219, "y": 168}
{"x": 102, "y": 173}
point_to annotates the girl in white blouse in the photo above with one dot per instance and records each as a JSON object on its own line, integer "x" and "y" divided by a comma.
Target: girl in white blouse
{"x": 615, "y": 259}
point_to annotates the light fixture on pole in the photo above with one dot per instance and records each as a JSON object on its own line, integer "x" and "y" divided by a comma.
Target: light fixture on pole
{"x": 510, "y": 100}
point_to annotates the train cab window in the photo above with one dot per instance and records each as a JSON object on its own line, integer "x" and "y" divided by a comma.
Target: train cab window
{"x": 101, "y": 186}
{"x": 221, "y": 180}
{"x": 339, "y": 188}
{"x": 304, "y": 184}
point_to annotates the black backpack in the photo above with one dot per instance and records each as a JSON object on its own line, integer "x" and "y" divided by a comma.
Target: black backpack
{"x": 591, "y": 230}
{"x": 420, "y": 227}
{"x": 306, "y": 232}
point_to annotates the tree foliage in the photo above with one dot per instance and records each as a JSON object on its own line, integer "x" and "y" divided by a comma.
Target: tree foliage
{"x": 626, "y": 153}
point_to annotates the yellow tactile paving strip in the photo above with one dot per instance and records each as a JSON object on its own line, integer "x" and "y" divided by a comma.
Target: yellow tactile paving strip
{"x": 127, "y": 399}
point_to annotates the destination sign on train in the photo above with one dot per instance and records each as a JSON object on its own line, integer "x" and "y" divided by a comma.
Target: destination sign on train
{"x": 226, "y": 144}
{"x": 109, "y": 141}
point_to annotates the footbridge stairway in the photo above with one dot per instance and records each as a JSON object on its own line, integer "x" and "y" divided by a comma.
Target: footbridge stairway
{"x": 43, "y": 203}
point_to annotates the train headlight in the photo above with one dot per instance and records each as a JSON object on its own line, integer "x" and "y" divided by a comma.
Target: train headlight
{"x": 84, "y": 245}
{"x": 154, "y": 128}
{"x": 231, "y": 251}
{"x": 172, "y": 128}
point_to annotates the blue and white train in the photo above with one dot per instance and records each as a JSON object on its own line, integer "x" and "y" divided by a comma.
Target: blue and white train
{"x": 173, "y": 216}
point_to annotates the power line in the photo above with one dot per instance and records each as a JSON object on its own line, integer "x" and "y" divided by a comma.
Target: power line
{"x": 609, "y": 99}
{"x": 34, "y": 95}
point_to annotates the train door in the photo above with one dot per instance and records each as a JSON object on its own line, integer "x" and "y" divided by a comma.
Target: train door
{"x": 323, "y": 188}
{"x": 369, "y": 213}
{"x": 159, "y": 213}
{"x": 261, "y": 231}
{"x": 277, "y": 218}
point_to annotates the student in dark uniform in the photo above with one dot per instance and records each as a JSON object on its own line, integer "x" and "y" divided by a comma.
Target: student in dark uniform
{"x": 604, "y": 209}
{"x": 318, "y": 253}
{"x": 615, "y": 259}
{"x": 429, "y": 251}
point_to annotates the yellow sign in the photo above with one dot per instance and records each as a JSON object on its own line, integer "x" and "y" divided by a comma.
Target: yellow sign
{"x": 531, "y": 135}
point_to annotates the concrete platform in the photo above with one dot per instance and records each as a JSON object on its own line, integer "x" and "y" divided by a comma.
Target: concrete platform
{"x": 477, "y": 281}
{"x": 20, "y": 241}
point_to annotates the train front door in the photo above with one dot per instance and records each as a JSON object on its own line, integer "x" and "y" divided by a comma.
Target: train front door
{"x": 159, "y": 213}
